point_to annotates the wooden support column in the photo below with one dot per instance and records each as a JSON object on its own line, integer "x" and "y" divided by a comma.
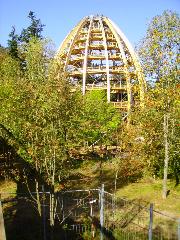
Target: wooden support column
{"x": 107, "y": 61}
{"x": 85, "y": 57}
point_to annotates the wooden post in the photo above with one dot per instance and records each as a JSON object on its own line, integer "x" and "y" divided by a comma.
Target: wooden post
{"x": 2, "y": 227}
{"x": 102, "y": 209}
{"x": 179, "y": 229}
{"x": 150, "y": 222}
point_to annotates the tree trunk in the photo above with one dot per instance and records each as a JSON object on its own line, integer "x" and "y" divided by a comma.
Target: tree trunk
{"x": 166, "y": 158}
{"x": 115, "y": 181}
{"x": 53, "y": 202}
{"x": 38, "y": 197}
{"x": 52, "y": 209}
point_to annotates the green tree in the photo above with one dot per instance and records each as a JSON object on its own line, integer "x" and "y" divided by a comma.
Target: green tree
{"x": 41, "y": 112}
{"x": 33, "y": 30}
{"x": 17, "y": 43}
{"x": 159, "y": 55}
{"x": 159, "y": 49}
{"x": 101, "y": 119}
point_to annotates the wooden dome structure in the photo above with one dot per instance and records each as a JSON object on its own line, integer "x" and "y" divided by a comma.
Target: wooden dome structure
{"x": 98, "y": 55}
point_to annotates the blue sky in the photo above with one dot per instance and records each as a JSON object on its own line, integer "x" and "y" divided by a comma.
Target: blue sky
{"x": 60, "y": 16}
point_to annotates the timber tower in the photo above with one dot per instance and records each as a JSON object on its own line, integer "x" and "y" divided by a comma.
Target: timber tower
{"x": 98, "y": 56}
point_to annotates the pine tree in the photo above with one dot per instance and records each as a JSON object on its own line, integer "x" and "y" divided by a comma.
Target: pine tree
{"x": 33, "y": 30}
{"x": 13, "y": 43}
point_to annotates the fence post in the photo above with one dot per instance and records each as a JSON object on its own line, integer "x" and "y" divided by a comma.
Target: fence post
{"x": 44, "y": 214}
{"x": 150, "y": 222}
{"x": 102, "y": 209}
{"x": 113, "y": 206}
{"x": 179, "y": 229}
{"x": 2, "y": 228}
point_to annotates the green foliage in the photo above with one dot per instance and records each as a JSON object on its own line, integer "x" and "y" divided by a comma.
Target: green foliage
{"x": 159, "y": 55}
{"x": 159, "y": 49}
{"x": 42, "y": 112}
{"x": 101, "y": 119}
{"x": 144, "y": 139}
{"x": 24, "y": 101}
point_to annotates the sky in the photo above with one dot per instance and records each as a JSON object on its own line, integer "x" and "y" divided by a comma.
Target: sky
{"x": 60, "y": 16}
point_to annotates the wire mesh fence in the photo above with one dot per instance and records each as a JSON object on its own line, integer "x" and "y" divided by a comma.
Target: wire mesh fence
{"x": 165, "y": 227}
{"x": 77, "y": 204}
{"x": 135, "y": 219}
{"x": 84, "y": 214}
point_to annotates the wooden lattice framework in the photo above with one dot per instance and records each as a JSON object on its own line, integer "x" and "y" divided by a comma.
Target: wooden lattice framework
{"x": 98, "y": 55}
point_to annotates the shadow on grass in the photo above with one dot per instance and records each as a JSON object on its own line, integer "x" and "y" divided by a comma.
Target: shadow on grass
{"x": 22, "y": 220}
{"x": 99, "y": 173}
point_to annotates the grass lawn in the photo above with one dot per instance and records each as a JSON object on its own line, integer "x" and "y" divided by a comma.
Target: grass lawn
{"x": 151, "y": 190}
{"x": 147, "y": 189}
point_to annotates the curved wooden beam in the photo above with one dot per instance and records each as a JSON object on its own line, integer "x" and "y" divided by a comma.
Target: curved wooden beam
{"x": 107, "y": 60}
{"x": 86, "y": 56}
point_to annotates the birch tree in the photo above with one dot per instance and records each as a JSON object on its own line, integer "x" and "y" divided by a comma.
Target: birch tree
{"x": 159, "y": 56}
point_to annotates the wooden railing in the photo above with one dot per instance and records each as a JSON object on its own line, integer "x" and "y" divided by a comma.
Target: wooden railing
{"x": 120, "y": 104}
{"x": 115, "y": 86}
{"x": 93, "y": 86}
